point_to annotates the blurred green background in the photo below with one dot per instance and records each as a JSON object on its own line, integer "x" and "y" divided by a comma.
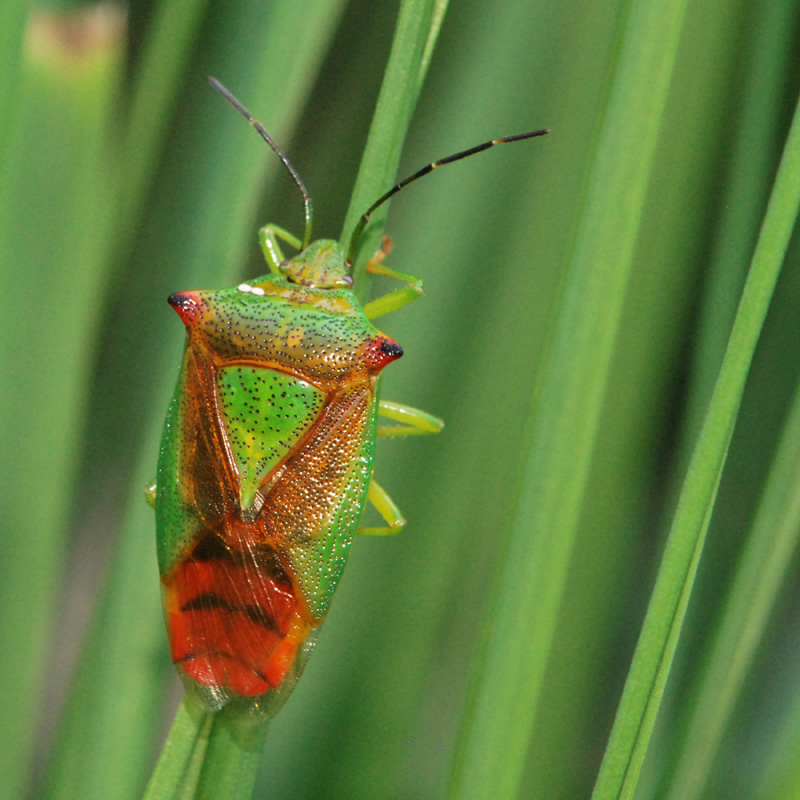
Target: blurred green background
{"x": 125, "y": 178}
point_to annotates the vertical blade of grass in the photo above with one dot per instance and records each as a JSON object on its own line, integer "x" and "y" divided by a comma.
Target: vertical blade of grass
{"x": 655, "y": 649}
{"x": 52, "y": 275}
{"x": 708, "y": 705}
{"x": 231, "y": 760}
{"x": 13, "y": 15}
{"x": 163, "y": 62}
{"x": 759, "y": 577}
{"x": 418, "y": 25}
{"x": 177, "y": 773}
{"x": 750, "y": 168}
{"x": 511, "y": 661}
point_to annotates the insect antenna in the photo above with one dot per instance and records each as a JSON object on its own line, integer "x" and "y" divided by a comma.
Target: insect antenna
{"x": 307, "y": 205}
{"x": 362, "y": 223}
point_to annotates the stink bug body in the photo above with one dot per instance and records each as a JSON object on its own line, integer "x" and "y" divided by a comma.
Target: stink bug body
{"x": 266, "y": 459}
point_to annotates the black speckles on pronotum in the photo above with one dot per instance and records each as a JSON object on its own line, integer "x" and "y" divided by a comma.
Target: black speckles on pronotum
{"x": 323, "y": 339}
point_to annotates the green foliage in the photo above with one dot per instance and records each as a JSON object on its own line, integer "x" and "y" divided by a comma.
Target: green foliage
{"x": 581, "y": 290}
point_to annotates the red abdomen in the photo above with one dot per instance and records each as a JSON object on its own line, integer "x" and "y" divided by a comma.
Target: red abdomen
{"x": 234, "y": 620}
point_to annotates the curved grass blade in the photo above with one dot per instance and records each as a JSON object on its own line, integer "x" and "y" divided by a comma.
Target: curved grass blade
{"x": 658, "y": 639}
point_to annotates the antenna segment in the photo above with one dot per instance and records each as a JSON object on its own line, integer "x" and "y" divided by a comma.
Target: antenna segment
{"x": 307, "y": 205}
{"x": 362, "y": 223}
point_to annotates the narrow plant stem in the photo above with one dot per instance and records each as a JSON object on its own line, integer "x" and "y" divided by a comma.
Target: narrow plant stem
{"x": 231, "y": 761}
{"x": 750, "y": 173}
{"x": 707, "y": 706}
{"x": 656, "y": 647}
{"x": 759, "y": 578}
{"x": 418, "y": 25}
{"x": 177, "y": 770}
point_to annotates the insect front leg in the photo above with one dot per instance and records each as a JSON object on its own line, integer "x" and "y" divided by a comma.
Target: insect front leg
{"x": 399, "y": 297}
{"x": 414, "y": 421}
{"x": 268, "y": 239}
{"x": 150, "y": 494}
{"x": 387, "y": 508}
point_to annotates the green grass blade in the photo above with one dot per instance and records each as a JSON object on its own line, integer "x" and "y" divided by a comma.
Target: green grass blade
{"x": 55, "y": 175}
{"x": 13, "y": 16}
{"x": 750, "y": 167}
{"x": 759, "y": 577}
{"x": 418, "y": 25}
{"x": 707, "y": 706}
{"x": 232, "y": 759}
{"x": 164, "y": 59}
{"x": 177, "y": 773}
{"x": 655, "y": 649}
{"x": 513, "y": 655}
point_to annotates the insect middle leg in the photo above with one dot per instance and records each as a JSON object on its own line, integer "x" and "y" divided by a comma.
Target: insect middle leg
{"x": 414, "y": 423}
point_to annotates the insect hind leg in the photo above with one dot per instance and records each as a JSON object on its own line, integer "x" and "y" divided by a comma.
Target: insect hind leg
{"x": 387, "y": 508}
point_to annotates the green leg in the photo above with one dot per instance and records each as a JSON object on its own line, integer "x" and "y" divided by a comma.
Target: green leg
{"x": 150, "y": 494}
{"x": 268, "y": 238}
{"x": 415, "y": 422}
{"x": 387, "y": 509}
{"x": 399, "y": 297}
{"x": 396, "y": 299}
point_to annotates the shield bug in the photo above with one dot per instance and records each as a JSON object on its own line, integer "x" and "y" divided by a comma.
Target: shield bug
{"x": 266, "y": 458}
